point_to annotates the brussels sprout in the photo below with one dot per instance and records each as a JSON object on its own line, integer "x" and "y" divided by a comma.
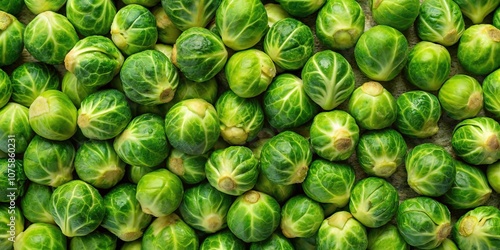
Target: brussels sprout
{"x": 188, "y": 89}
{"x": 381, "y": 53}
{"x": 5, "y": 88}
{"x": 190, "y": 168}
{"x": 290, "y": 110}
{"x": 484, "y": 59}
{"x": 11, "y": 37}
{"x": 49, "y": 162}
{"x": 143, "y": 142}
{"x": 199, "y": 54}
{"x": 329, "y": 182}
{"x": 49, "y": 37}
{"x": 192, "y": 126}
{"x": 340, "y": 23}
{"x": 328, "y": 79}
{"x": 94, "y": 240}
{"x": 165, "y": 49}
{"x": 12, "y": 224}
{"x": 41, "y": 234}
{"x": 493, "y": 175}
{"x": 14, "y": 124}
{"x": 204, "y": 208}
{"x": 30, "y": 79}
{"x": 232, "y": 170}
{"x": 38, "y": 6}
{"x": 477, "y": 140}
{"x": 496, "y": 18}
{"x": 187, "y": 14}
{"x": 341, "y": 231}
{"x": 289, "y": 43}
{"x": 98, "y": 23}
{"x": 167, "y": 31}
{"x": 253, "y": 216}
{"x": 134, "y": 29}
{"x": 478, "y": 229}
{"x": 381, "y": 152}
{"x": 35, "y": 203}
{"x": 491, "y": 91}
{"x": 94, "y": 61}
{"x": 418, "y": 114}
{"x": 447, "y": 244}
{"x": 386, "y": 237}
{"x": 135, "y": 173}
{"x": 132, "y": 245}
{"x": 279, "y": 192}
{"x": 12, "y": 180}
{"x": 12, "y": 7}
{"x": 476, "y": 11}
{"x": 428, "y": 66}
{"x": 249, "y": 72}
{"x": 431, "y": 169}
{"x": 305, "y": 243}
{"x": 301, "y": 8}
{"x": 222, "y": 240}
{"x": 440, "y": 21}
{"x": 170, "y": 232}
{"x": 77, "y": 208}
{"x": 399, "y": 14}
{"x": 461, "y": 97}
{"x": 275, "y": 241}
{"x": 275, "y": 13}
{"x": 75, "y": 90}
{"x": 334, "y": 135}
{"x": 301, "y": 217}
{"x": 145, "y": 3}
{"x": 423, "y": 222}
{"x": 159, "y": 192}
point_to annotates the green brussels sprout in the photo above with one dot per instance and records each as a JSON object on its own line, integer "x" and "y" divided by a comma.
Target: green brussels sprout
{"x": 241, "y": 23}
{"x": 253, "y": 216}
{"x": 222, "y": 240}
{"x": 477, "y": 140}
{"x": 461, "y": 97}
{"x": 199, "y": 54}
{"x": 49, "y": 162}
{"x": 49, "y": 37}
{"x": 5, "y": 88}
{"x": 381, "y": 152}
{"x": 476, "y": 11}
{"x": 232, "y": 170}
{"x": 340, "y": 23}
{"x": 278, "y": 191}
{"x": 134, "y": 29}
{"x": 301, "y": 8}
{"x": 94, "y": 61}
{"x": 484, "y": 59}
{"x": 496, "y": 18}
{"x": 30, "y": 79}
{"x": 14, "y": 125}
{"x": 289, "y": 43}
{"x": 192, "y": 126}
{"x": 328, "y": 79}
{"x": 143, "y": 142}
{"x": 285, "y": 158}
{"x": 132, "y": 245}
{"x": 491, "y": 91}
{"x": 38, "y": 6}
{"x": 381, "y": 53}
{"x": 418, "y": 114}
{"x": 423, "y": 222}
{"x": 190, "y": 168}
{"x": 99, "y": 23}
{"x": 188, "y": 89}
{"x": 275, "y": 241}
{"x": 334, "y": 135}
{"x": 290, "y": 110}
{"x": 145, "y": 3}
{"x": 12, "y": 224}
{"x": 104, "y": 114}
{"x": 341, "y": 231}
{"x": 305, "y": 243}
{"x": 440, "y": 21}
{"x": 431, "y": 169}
{"x": 274, "y": 13}
{"x": 12, "y": 7}
{"x": 447, "y": 244}
{"x": 386, "y": 237}
{"x": 12, "y": 180}
{"x": 75, "y": 90}
{"x": 186, "y": 14}
{"x": 165, "y": 49}
{"x": 399, "y": 14}
{"x": 428, "y": 66}
{"x": 478, "y": 229}
{"x": 11, "y": 37}
{"x": 241, "y": 119}
{"x": 205, "y": 208}
{"x": 329, "y": 182}
{"x": 77, "y": 208}
{"x": 36, "y": 202}
{"x": 95, "y": 240}
{"x": 167, "y": 31}
{"x": 249, "y": 72}
{"x": 372, "y": 106}
{"x": 170, "y": 232}
{"x": 41, "y": 234}
{"x": 124, "y": 217}
{"x": 493, "y": 175}
{"x": 301, "y": 217}
{"x": 383, "y": 200}
{"x": 159, "y": 192}
{"x": 135, "y": 173}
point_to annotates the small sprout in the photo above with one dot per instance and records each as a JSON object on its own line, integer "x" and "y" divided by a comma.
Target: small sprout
{"x": 167, "y": 31}
{"x": 482, "y": 60}
{"x": 477, "y": 10}
{"x": 188, "y": 14}
{"x": 491, "y": 92}
{"x": 428, "y": 66}
{"x": 301, "y": 217}
{"x": 342, "y": 231}
{"x": 399, "y": 14}
{"x": 418, "y": 114}
{"x": 11, "y": 36}
{"x": 440, "y": 22}
{"x": 31, "y": 79}
{"x": 461, "y": 97}
{"x": 99, "y": 23}
{"x": 41, "y": 234}
{"x": 386, "y": 237}
{"x": 14, "y": 120}
{"x": 169, "y": 232}
{"x": 301, "y": 8}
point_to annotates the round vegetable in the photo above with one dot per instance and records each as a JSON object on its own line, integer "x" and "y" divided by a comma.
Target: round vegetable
{"x": 222, "y": 240}
{"x": 278, "y": 191}
{"x": 75, "y": 90}
{"x": 14, "y": 124}
{"x": 30, "y": 79}
{"x": 190, "y": 168}
{"x": 399, "y": 14}
{"x": 95, "y": 240}
{"x": 341, "y": 231}
{"x": 478, "y": 228}
{"x": 461, "y": 97}
{"x": 36, "y": 202}
{"x": 187, "y": 14}
{"x": 418, "y": 114}
{"x": 38, "y": 6}
{"x": 301, "y": 217}
{"x": 41, "y": 234}
{"x": 301, "y": 8}
{"x": 484, "y": 59}
{"x": 12, "y": 181}
{"x": 167, "y": 31}
{"x": 11, "y": 6}
{"x": 99, "y": 23}
{"x": 275, "y": 241}
{"x": 188, "y": 89}
{"x": 12, "y": 224}
{"x": 169, "y": 232}
{"x": 493, "y": 175}
{"x": 477, "y": 10}
{"x": 11, "y": 37}
{"x": 275, "y": 13}
{"x": 428, "y": 66}
{"x": 5, "y": 88}
{"x": 386, "y": 237}
{"x": 440, "y": 21}
{"x": 491, "y": 91}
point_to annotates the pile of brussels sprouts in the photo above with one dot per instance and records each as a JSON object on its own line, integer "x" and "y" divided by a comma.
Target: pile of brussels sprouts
{"x": 248, "y": 124}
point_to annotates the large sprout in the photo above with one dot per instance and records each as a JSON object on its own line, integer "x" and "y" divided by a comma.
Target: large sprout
{"x": 13, "y": 181}
{"x": 278, "y": 191}
{"x": 341, "y": 231}
{"x": 478, "y": 229}
{"x": 386, "y": 237}
{"x": 11, "y": 37}
{"x": 440, "y": 21}
{"x": 12, "y": 7}
{"x": 38, "y": 6}
{"x": 480, "y": 60}
{"x": 36, "y": 202}
{"x": 41, "y": 234}
{"x": 491, "y": 91}
{"x": 187, "y": 14}
{"x": 461, "y": 97}
{"x": 477, "y": 10}
{"x": 418, "y": 114}
{"x": 328, "y": 79}
{"x": 190, "y": 168}
{"x": 399, "y": 14}
{"x": 222, "y": 240}
{"x": 170, "y": 232}
{"x": 31, "y": 79}
{"x": 428, "y": 66}
{"x": 49, "y": 37}
{"x": 14, "y": 121}
{"x": 95, "y": 240}
{"x": 340, "y": 23}
{"x": 11, "y": 224}
{"x": 301, "y": 217}
{"x": 98, "y": 22}
{"x": 275, "y": 241}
